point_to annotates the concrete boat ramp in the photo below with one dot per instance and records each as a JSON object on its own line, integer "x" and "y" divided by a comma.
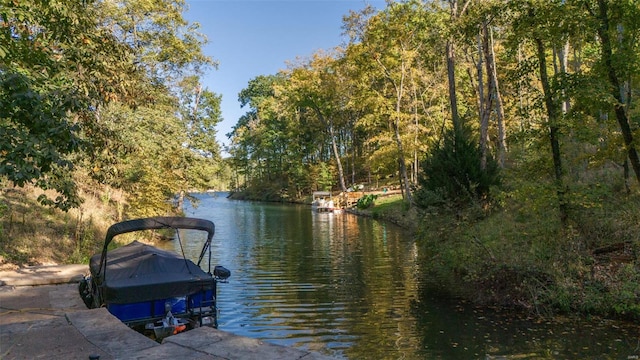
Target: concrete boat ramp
{"x": 43, "y": 317}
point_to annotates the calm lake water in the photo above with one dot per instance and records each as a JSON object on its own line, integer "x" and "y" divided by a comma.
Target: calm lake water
{"x": 350, "y": 287}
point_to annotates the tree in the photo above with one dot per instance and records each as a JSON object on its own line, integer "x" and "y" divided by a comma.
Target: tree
{"x": 455, "y": 11}
{"x": 390, "y": 58}
{"x": 479, "y": 24}
{"x": 452, "y": 172}
{"x": 316, "y": 86}
{"x": 201, "y": 147}
{"x": 56, "y": 65}
{"x": 167, "y": 53}
{"x": 613, "y": 64}
{"x": 263, "y": 134}
{"x": 541, "y": 23}
{"x": 164, "y": 45}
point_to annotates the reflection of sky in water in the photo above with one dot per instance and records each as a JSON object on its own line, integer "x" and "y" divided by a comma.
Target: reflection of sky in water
{"x": 348, "y": 286}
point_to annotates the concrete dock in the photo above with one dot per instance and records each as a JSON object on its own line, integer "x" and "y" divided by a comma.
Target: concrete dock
{"x": 43, "y": 317}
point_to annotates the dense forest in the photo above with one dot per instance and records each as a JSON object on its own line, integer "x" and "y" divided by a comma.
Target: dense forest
{"x": 537, "y": 87}
{"x": 510, "y": 128}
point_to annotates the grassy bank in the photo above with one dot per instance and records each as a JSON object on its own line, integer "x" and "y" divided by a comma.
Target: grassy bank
{"x": 516, "y": 253}
{"x": 31, "y": 234}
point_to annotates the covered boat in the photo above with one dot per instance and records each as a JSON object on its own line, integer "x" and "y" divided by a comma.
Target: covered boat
{"x": 154, "y": 290}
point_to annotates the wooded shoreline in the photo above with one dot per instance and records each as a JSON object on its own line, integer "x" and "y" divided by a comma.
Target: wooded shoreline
{"x": 484, "y": 257}
{"x": 487, "y": 258}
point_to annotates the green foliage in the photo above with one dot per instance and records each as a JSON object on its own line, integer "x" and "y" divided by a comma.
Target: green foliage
{"x": 261, "y": 139}
{"x": 324, "y": 179}
{"x": 37, "y": 135}
{"x": 150, "y": 156}
{"x": 163, "y": 43}
{"x": 366, "y": 201}
{"x": 625, "y": 297}
{"x": 45, "y": 92}
{"x": 161, "y": 142}
{"x": 452, "y": 172}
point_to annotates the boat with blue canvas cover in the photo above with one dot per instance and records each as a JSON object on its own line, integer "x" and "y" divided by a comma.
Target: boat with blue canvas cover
{"x": 155, "y": 291}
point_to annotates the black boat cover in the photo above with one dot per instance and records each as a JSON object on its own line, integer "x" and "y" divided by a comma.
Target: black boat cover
{"x": 139, "y": 272}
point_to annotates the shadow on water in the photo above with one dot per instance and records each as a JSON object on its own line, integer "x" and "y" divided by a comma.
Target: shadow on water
{"x": 460, "y": 331}
{"x": 350, "y": 287}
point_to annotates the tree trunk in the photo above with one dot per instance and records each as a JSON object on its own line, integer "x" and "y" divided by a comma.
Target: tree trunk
{"x": 625, "y": 98}
{"x": 396, "y": 127}
{"x": 482, "y": 105}
{"x": 403, "y": 166}
{"x": 451, "y": 64}
{"x": 564, "y": 63}
{"x": 552, "y": 114}
{"x": 483, "y": 50}
{"x": 621, "y": 114}
{"x": 451, "y": 75}
{"x": 334, "y": 146}
{"x": 502, "y": 134}
{"x": 395, "y": 124}
{"x": 416, "y": 136}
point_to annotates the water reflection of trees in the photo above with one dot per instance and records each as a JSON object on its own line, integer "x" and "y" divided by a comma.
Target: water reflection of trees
{"x": 376, "y": 264}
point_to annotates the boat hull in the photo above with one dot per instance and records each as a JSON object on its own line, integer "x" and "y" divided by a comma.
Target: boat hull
{"x": 192, "y": 307}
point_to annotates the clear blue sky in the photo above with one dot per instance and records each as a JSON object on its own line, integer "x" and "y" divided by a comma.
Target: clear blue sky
{"x": 257, "y": 37}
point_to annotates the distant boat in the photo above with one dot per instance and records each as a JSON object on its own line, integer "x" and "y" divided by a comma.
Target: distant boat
{"x": 323, "y": 202}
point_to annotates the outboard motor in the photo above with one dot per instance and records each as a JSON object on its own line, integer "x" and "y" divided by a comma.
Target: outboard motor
{"x": 221, "y": 273}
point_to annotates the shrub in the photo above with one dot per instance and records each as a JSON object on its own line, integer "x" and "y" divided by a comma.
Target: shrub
{"x": 452, "y": 172}
{"x": 366, "y": 201}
